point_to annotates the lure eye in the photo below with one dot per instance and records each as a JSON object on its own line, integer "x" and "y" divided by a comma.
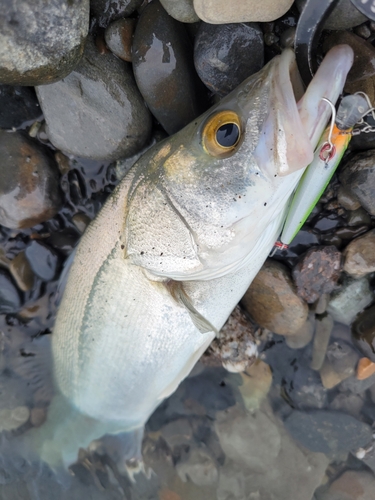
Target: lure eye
{"x": 221, "y": 133}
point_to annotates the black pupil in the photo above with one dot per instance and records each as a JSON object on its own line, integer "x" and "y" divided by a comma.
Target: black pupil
{"x": 227, "y": 135}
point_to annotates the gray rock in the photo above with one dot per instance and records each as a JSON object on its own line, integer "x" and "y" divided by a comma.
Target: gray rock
{"x": 226, "y": 54}
{"x": 163, "y": 68}
{"x": 181, "y": 10}
{"x": 351, "y": 299}
{"x": 119, "y": 38}
{"x": 323, "y": 329}
{"x": 352, "y": 384}
{"x": 97, "y": 111}
{"x": 347, "y": 199}
{"x": 358, "y": 177}
{"x": 304, "y": 389}
{"x": 363, "y": 330}
{"x": 42, "y": 41}
{"x": 352, "y": 485}
{"x": 10, "y": 300}
{"x": 17, "y": 105}
{"x": 349, "y": 403}
{"x": 106, "y": 11}
{"x": 42, "y": 259}
{"x": 22, "y": 272}
{"x": 344, "y": 15}
{"x": 29, "y": 192}
{"x": 329, "y": 432}
{"x": 198, "y": 466}
{"x": 359, "y": 255}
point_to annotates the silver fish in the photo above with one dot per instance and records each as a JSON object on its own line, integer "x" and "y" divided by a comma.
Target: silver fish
{"x": 173, "y": 250}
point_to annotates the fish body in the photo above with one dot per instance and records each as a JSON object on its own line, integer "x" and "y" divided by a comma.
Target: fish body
{"x": 174, "y": 248}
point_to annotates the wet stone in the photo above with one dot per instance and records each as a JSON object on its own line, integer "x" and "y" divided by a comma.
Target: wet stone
{"x": 96, "y": 112}
{"x": 256, "y": 382}
{"x": 119, "y": 37}
{"x": 343, "y": 16}
{"x": 226, "y": 54}
{"x": 352, "y": 485}
{"x": 360, "y": 255}
{"x": 352, "y": 384}
{"x": 29, "y": 192}
{"x": 347, "y": 199}
{"x": 10, "y": 299}
{"x": 348, "y": 403}
{"x": 17, "y": 105}
{"x": 341, "y": 360}
{"x": 106, "y": 11}
{"x": 329, "y": 432}
{"x": 304, "y": 389}
{"x": 358, "y": 217}
{"x": 198, "y": 466}
{"x": 272, "y": 301}
{"x": 317, "y": 272}
{"x": 323, "y": 329}
{"x": 181, "y": 10}
{"x": 303, "y": 336}
{"x": 237, "y": 11}
{"x": 43, "y": 260}
{"x": 363, "y": 330}
{"x": 81, "y": 221}
{"x": 22, "y": 272}
{"x": 41, "y": 43}
{"x": 163, "y": 68}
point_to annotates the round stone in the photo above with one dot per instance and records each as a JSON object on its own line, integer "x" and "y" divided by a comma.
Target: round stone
{"x": 119, "y": 38}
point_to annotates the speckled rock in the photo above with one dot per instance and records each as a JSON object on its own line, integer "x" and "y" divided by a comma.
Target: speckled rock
{"x": 163, "y": 68}
{"x": 359, "y": 255}
{"x": 317, "y": 272}
{"x": 97, "y": 111}
{"x": 41, "y": 42}
{"x": 226, "y": 54}
{"x": 363, "y": 330}
{"x": 181, "y": 10}
{"x": 106, "y": 11}
{"x": 237, "y": 11}
{"x": 343, "y": 16}
{"x": 17, "y": 105}
{"x": 304, "y": 389}
{"x": 272, "y": 300}
{"x": 29, "y": 192}
{"x": 352, "y": 485}
{"x": 119, "y": 38}
{"x": 358, "y": 177}
{"x": 10, "y": 299}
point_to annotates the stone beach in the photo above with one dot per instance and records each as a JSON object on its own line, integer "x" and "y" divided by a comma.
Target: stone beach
{"x": 85, "y": 89}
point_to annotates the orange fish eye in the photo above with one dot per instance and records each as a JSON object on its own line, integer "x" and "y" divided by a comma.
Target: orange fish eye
{"x": 221, "y": 133}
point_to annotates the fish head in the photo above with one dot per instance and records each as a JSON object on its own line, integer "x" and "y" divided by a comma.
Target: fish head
{"x": 210, "y": 191}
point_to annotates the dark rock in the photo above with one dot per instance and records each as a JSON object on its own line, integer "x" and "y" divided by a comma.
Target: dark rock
{"x": 349, "y": 233}
{"x": 10, "y": 299}
{"x": 106, "y": 11}
{"x": 97, "y": 111}
{"x": 29, "y": 192}
{"x": 226, "y": 54}
{"x": 358, "y": 217}
{"x": 304, "y": 388}
{"x": 360, "y": 256}
{"x": 347, "y": 199}
{"x": 352, "y": 384}
{"x": 64, "y": 240}
{"x": 317, "y": 272}
{"x": 198, "y": 466}
{"x": 43, "y": 261}
{"x": 41, "y": 42}
{"x": 329, "y": 432}
{"x": 349, "y": 403}
{"x": 181, "y": 10}
{"x": 363, "y": 330}
{"x": 22, "y": 272}
{"x": 163, "y": 68}
{"x": 358, "y": 177}
{"x": 343, "y": 16}
{"x": 119, "y": 38}
{"x": 17, "y": 105}
{"x": 272, "y": 301}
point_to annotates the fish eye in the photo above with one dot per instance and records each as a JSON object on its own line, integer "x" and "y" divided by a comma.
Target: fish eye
{"x": 221, "y": 133}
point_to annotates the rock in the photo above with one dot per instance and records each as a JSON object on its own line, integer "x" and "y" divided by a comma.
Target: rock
{"x": 119, "y": 38}
{"x": 22, "y": 273}
{"x": 226, "y": 54}
{"x": 350, "y": 299}
{"x": 41, "y": 42}
{"x": 317, "y": 272}
{"x": 365, "y": 368}
{"x": 352, "y": 485}
{"x": 81, "y": 221}
{"x": 340, "y": 363}
{"x": 178, "y": 432}
{"x": 256, "y": 383}
{"x": 198, "y": 466}
{"x": 347, "y": 199}
{"x": 358, "y": 177}
{"x": 181, "y": 10}
{"x": 106, "y": 11}
{"x": 347, "y": 403}
{"x": 329, "y": 432}
{"x": 10, "y": 299}
{"x": 272, "y": 300}
{"x": 359, "y": 255}
{"x": 303, "y": 336}
{"x": 287, "y": 38}
{"x": 343, "y": 16}
{"x": 29, "y": 192}
{"x": 96, "y": 112}
{"x": 222, "y": 12}
{"x": 358, "y": 217}
{"x": 323, "y": 329}
{"x": 363, "y": 330}
{"x": 352, "y": 384}
{"x": 163, "y": 68}
{"x": 303, "y": 388}
{"x": 43, "y": 261}
{"x": 17, "y": 105}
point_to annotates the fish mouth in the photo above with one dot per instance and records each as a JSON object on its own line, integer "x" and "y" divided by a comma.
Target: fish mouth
{"x": 296, "y": 120}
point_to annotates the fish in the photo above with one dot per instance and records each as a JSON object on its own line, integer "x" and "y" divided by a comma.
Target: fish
{"x": 172, "y": 251}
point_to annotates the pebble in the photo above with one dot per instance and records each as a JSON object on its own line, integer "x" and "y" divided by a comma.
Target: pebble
{"x": 352, "y": 384}
{"x": 326, "y": 431}
{"x": 41, "y": 43}
{"x": 287, "y": 38}
{"x": 272, "y": 300}
{"x": 17, "y": 105}
{"x": 181, "y": 10}
{"x": 42, "y": 259}
{"x": 358, "y": 177}
{"x": 119, "y": 38}
{"x": 350, "y": 299}
{"x": 198, "y": 466}
{"x": 29, "y": 192}
{"x": 10, "y": 299}
{"x": 237, "y": 11}
{"x": 340, "y": 363}
{"x": 163, "y": 68}
{"x": 343, "y": 16}
{"x": 304, "y": 389}
{"x": 22, "y": 273}
{"x": 12, "y": 419}
{"x": 348, "y": 403}
{"x": 106, "y": 11}
{"x": 97, "y": 111}
{"x": 358, "y": 217}
{"x": 363, "y": 330}
{"x": 81, "y": 221}
{"x": 347, "y": 199}
{"x": 365, "y": 368}
{"x": 317, "y": 272}
{"x": 38, "y": 416}
{"x": 226, "y": 54}
{"x": 256, "y": 383}
{"x": 303, "y": 336}
{"x": 178, "y": 433}
{"x": 359, "y": 255}
{"x": 352, "y": 485}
